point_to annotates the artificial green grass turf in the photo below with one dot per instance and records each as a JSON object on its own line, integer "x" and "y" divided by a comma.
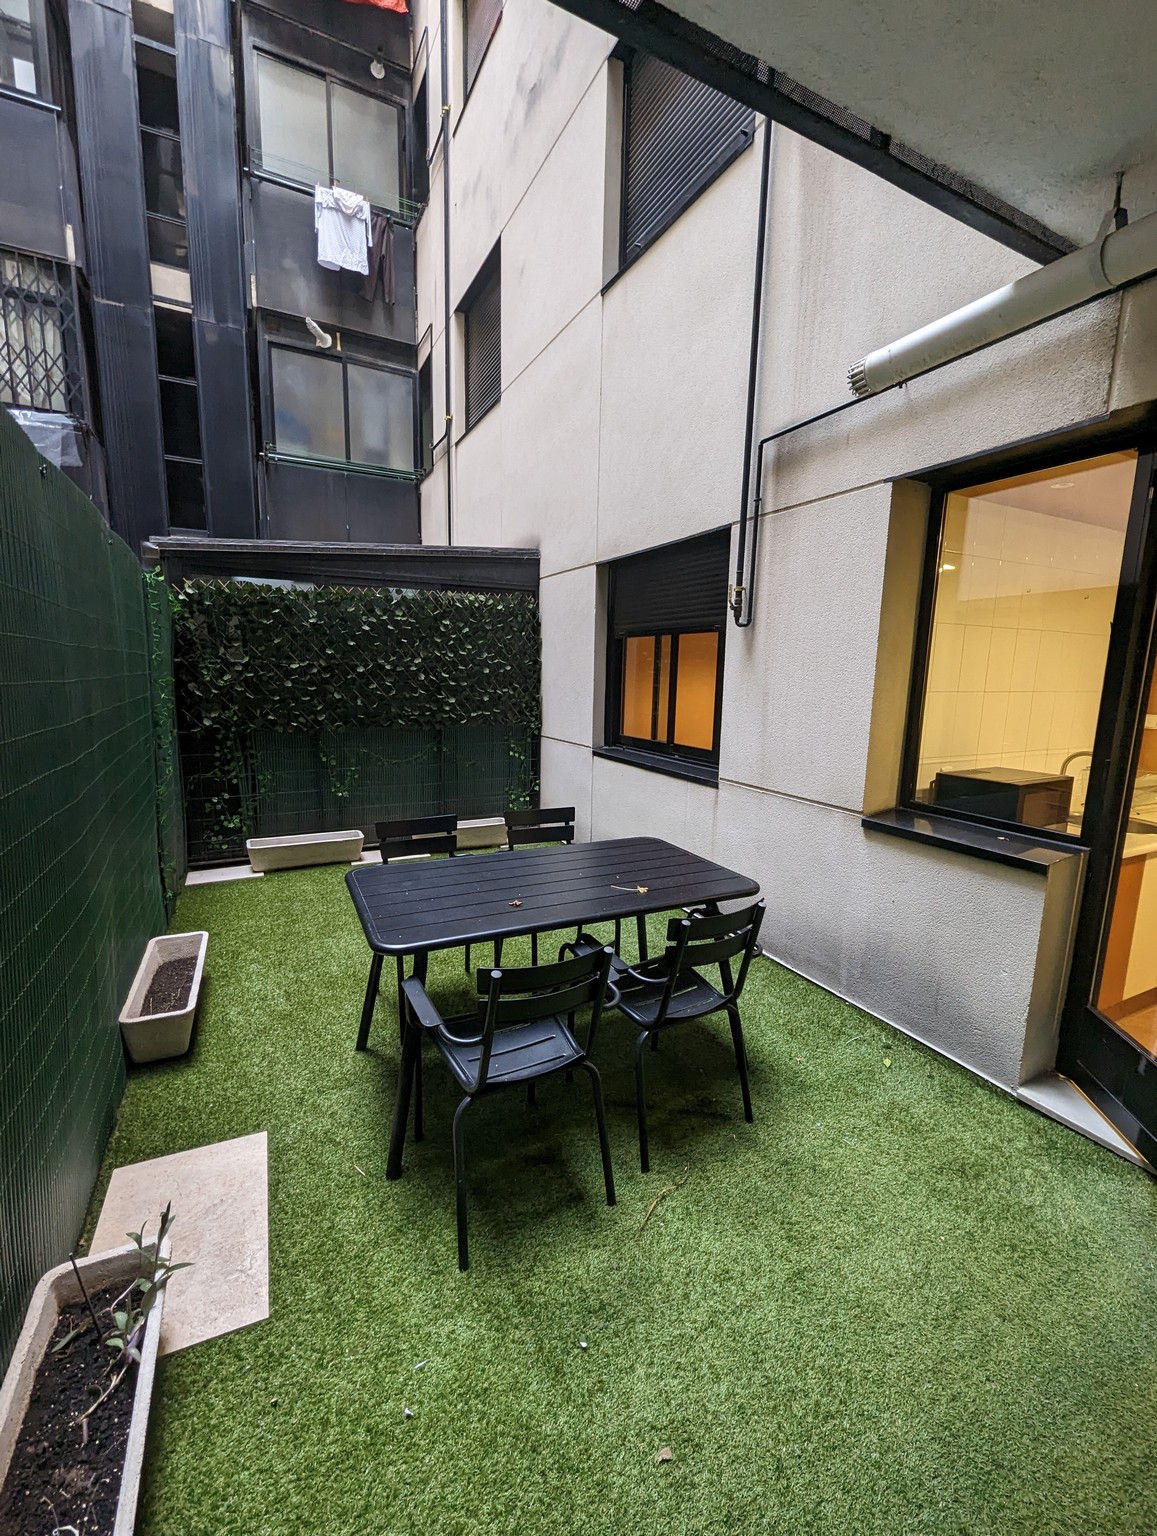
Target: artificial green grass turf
{"x": 899, "y": 1302}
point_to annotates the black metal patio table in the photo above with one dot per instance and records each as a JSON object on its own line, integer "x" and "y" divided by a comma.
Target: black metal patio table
{"x": 416, "y": 906}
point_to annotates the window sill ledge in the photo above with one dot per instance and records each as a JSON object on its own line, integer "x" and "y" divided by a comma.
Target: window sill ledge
{"x": 698, "y": 773}
{"x": 1020, "y": 850}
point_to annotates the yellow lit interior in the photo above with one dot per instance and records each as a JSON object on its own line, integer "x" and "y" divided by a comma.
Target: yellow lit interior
{"x": 695, "y": 696}
{"x": 638, "y": 685}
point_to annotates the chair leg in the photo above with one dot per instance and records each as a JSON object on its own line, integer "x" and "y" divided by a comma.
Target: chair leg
{"x": 466, "y": 961}
{"x": 411, "y": 1045}
{"x": 460, "y": 1183}
{"x": 655, "y": 1041}
{"x": 741, "y": 1060}
{"x": 530, "y": 1096}
{"x": 401, "y": 979}
{"x": 370, "y": 999}
{"x": 601, "y": 1121}
{"x": 641, "y": 1103}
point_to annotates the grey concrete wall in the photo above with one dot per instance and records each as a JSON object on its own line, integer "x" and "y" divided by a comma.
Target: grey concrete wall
{"x": 621, "y": 427}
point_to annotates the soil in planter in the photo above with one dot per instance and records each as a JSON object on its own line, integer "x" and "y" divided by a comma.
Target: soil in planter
{"x": 58, "y": 1477}
{"x": 169, "y": 989}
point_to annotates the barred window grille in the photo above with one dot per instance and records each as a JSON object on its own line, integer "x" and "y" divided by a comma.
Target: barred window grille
{"x": 39, "y": 357}
{"x": 480, "y": 18}
{"x": 483, "y": 313}
{"x": 679, "y": 134}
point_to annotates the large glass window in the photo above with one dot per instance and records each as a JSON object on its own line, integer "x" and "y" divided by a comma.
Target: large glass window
{"x": 667, "y": 610}
{"x": 39, "y": 355}
{"x": 1026, "y": 579}
{"x": 346, "y": 410}
{"x": 23, "y": 47}
{"x": 180, "y": 417}
{"x": 314, "y": 129}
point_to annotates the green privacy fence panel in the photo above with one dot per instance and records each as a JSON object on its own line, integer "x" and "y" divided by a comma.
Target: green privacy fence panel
{"x": 322, "y": 709}
{"x": 170, "y": 800}
{"x": 80, "y": 892}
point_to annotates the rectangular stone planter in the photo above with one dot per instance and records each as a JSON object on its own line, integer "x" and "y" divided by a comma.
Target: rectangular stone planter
{"x": 57, "y": 1289}
{"x": 157, "y": 1036}
{"x": 267, "y": 853}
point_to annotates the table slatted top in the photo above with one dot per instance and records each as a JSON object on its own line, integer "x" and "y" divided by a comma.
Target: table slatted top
{"x": 423, "y": 904}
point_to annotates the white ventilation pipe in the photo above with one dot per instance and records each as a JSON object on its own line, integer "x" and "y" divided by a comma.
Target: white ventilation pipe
{"x": 1121, "y": 257}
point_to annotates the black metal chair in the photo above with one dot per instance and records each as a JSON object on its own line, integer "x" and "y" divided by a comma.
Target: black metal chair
{"x": 554, "y": 825}
{"x": 541, "y": 826}
{"x": 669, "y": 990}
{"x": 524, "y": 1030}
{"x": 399, "y": 840}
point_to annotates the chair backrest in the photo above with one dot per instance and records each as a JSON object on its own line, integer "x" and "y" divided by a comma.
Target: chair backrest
{"x": 417, "y": 834}
{"x": 718, "y": 938}
{"x": 522, "y": 994}
{"x": 541, "y": 826}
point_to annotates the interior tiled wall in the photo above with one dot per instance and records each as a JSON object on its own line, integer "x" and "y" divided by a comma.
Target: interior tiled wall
{"x": 1020, "y": 636}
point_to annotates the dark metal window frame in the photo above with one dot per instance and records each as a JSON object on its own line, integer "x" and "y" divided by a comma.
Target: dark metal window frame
{"x": 664, "y": 756}
{"x": 1050, "y": 454}
{"x": 489, "y": 278}
{"x": 331, "y": 78}
{"x": 649, "y": 745}
{"x": 353, "y": 353}
{"x": 45, "y": 32}
{"x": 62, "y": 302}
{"x": 694, "y": 190}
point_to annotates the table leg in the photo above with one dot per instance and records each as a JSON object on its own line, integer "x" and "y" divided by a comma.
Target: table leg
{"x": 371, "y": 999}
{"x": 641, "y": 931}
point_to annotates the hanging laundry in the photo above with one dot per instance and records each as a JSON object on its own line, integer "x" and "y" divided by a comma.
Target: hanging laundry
{"x": 342, "y": 221}
{"x": 381, "y": 259}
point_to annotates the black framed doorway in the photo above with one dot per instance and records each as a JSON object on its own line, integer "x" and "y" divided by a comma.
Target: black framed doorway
{"x": 1108, "y": 1042}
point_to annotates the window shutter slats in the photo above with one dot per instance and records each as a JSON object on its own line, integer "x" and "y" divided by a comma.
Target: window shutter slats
{"x": 679, "y": 133}
{"x": 484, "y": 350}
{"x": 481, "y": 18}
{"x": 680, "y": 587}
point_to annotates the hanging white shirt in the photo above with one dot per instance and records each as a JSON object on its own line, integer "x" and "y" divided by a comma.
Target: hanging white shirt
{"x": 342, "y": 221}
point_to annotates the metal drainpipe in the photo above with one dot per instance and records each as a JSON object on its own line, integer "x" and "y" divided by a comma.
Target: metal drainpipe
{"x": 444, "y": 23}
{"x": 743, "y": 593}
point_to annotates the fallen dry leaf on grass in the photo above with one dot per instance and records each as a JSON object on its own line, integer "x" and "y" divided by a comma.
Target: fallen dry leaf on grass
{"x": 664, "y": 1455}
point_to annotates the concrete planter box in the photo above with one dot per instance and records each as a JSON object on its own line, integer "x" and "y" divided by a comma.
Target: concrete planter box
{"x": 157, "y": 1036}
{"x": 57, "y": 1289}
{"x": 266, "y": 853}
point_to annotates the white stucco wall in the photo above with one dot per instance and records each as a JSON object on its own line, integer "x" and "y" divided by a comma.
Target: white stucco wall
{"x": 621, "y": 427}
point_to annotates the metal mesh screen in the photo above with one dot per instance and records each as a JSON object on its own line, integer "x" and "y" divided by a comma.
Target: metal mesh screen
{"x": 79, "y": 887}
{"x": 278, "y": 784}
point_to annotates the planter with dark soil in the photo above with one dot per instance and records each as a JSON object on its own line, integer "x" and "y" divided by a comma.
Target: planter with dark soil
{"x": 69, "y": 1459}
{"x": 157, "y": 1019}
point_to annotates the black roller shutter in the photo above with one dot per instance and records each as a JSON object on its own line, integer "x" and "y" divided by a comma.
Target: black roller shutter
{"x": 679, "y": 587}
{"x": 484, "y": 348}
{"x": 679, "y": 133}
{"x": 480, "y": 17}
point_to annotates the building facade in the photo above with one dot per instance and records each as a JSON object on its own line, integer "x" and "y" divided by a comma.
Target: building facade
{"x": 160, "y": 261}
{"x": 927, "y": 734}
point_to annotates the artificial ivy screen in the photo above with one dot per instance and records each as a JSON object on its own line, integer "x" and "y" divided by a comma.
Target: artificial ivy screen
{"x": 306, "y": 709}
{"x": 252, "y": 657}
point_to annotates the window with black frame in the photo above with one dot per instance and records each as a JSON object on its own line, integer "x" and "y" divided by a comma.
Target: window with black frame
{"x": 314, "y": 128}
{"x": 24, "y": 47}
{"x": 1023, "y": 576}
{"x": 480, "y": 20}
{"x": 667, "y": 612}
{"x": 482, "y": 316}
{"x": 154, "y": 45}
{"x": 346, "y": 409}
{"x": 678, "y": 134}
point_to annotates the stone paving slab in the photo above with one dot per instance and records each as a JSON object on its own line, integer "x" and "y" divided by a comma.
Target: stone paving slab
{"x": 220, "y": 1196}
